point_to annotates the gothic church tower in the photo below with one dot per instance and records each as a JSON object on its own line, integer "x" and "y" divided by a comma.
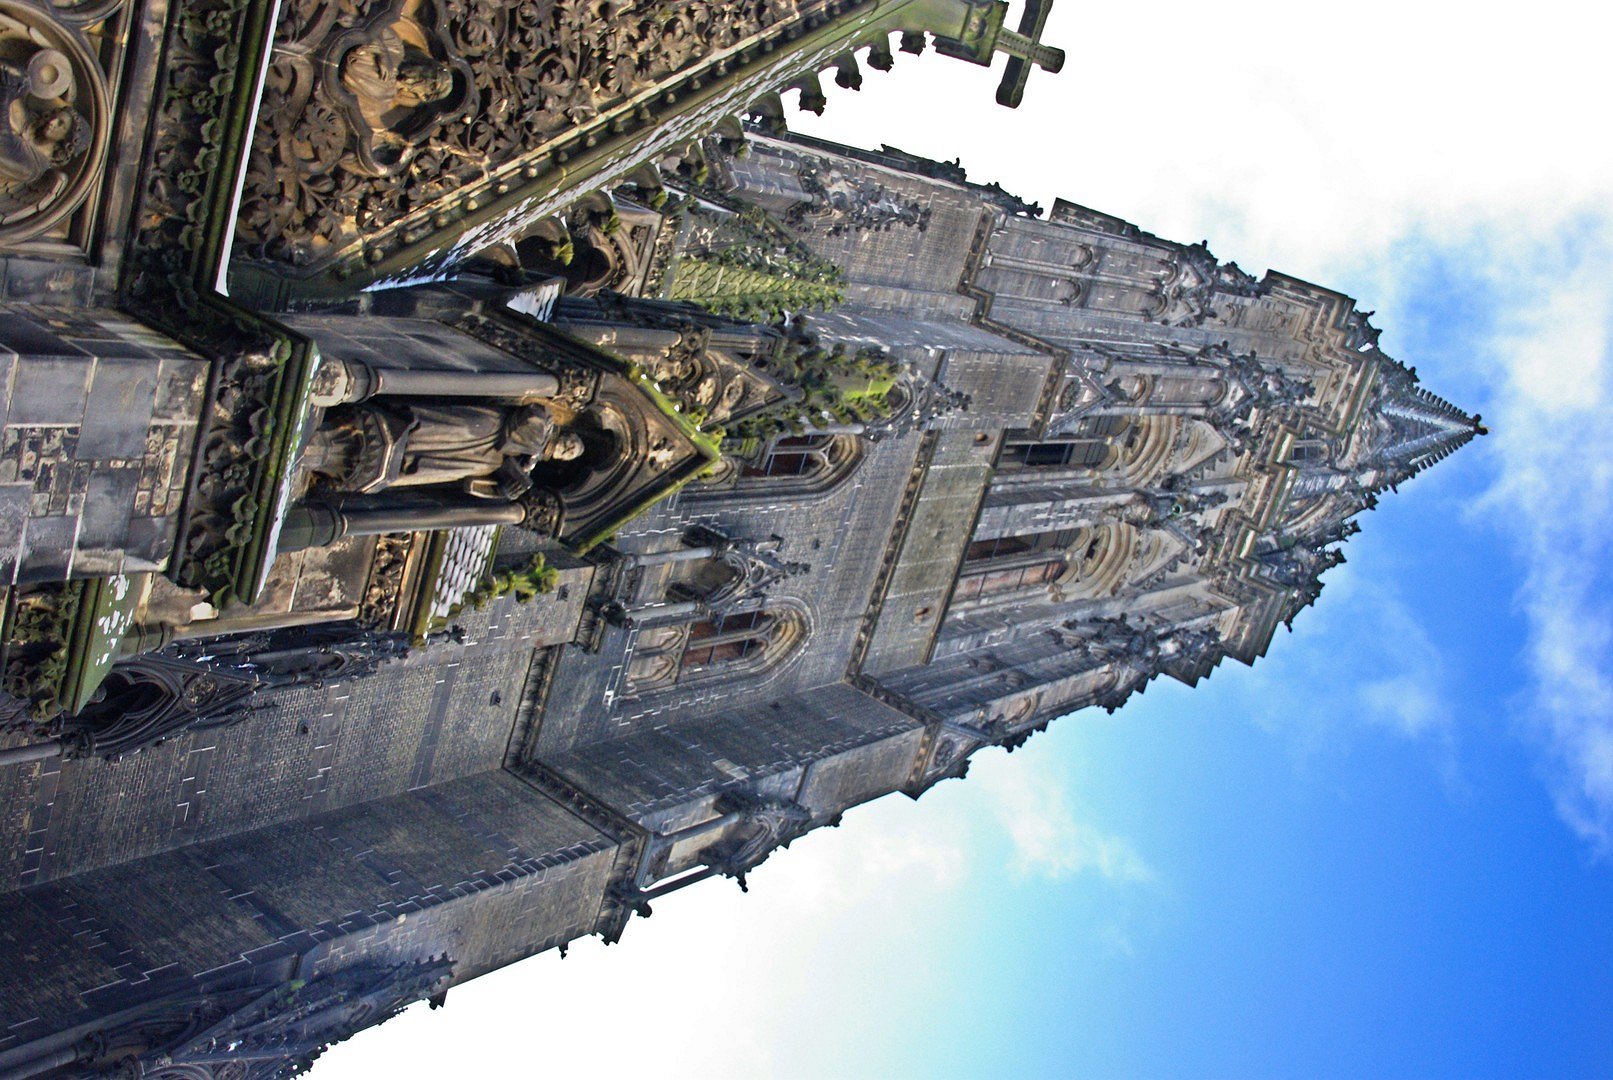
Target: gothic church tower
{"x": 436, "y": 528}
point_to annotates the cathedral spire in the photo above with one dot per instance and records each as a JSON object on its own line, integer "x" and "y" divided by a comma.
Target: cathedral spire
{"x": 1411, "y": 427}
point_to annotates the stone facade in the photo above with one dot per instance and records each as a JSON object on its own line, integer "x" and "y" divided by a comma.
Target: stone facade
{"x": 466, "y": 537}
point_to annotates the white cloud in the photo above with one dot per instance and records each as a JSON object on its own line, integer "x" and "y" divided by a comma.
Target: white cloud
{"x": 1031, "y": 802}
{"x": 1554, "y": 497}
{"x": 1407, "y": 689}
{"x": 1360, "y": 659}
{"x": 1406, "y": 703}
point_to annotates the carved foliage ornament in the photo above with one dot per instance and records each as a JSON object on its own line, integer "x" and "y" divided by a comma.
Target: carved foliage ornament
{"x": 54, "y": 116}
{"x": 375, "y": 108}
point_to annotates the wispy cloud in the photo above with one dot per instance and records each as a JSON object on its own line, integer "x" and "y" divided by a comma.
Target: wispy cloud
{"x": 1361, "y": 658}
{"x": 1554, "y": 498}
{"x": 1049, "y": 838}
{"x": 1404, "y": 687}
{"x": 1406, "y": 703}
{"x": 1542, "y": 356}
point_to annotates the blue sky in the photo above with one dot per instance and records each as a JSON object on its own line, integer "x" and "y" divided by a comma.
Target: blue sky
{"x": 1386, "y": 850}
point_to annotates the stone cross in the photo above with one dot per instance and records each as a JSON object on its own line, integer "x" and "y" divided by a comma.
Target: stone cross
{"x": 1024, "y": 49}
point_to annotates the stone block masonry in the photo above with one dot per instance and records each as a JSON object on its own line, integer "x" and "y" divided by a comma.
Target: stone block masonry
{"x": 99, "y": 430}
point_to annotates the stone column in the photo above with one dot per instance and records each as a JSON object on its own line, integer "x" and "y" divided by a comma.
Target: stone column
{"x": 22, "y": 755}
{"x": 677, "y": 555}
{"x": 344, "y": 382}
{"x": 624, "y": 340}
{"x": 322, "y": 524}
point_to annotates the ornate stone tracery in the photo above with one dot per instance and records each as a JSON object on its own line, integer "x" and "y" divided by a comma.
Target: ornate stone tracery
{"x": 768, "y": 823}
{"x": 373, "y": 109}
{"x": 841, "y": 203}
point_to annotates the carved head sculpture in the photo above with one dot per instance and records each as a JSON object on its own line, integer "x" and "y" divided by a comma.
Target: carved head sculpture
{"x": 421, "y": 80}
{"x": 567, "y": 446}
{"x": 673, "y": 368}
{"x": 384, "y": 74}
{"x": 63, "y": 133}
{"x": 393, "y": 93}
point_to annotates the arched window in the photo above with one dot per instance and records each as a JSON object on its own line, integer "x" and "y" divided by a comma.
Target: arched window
{"x": 1009, "y": 547}
{"x": 1000, "y": 546}
{"x": 723, "y": 647}
{"x": 1310, "y": 452}
{"x": 789, "y": 466}
{"x": 794, "y": 455}
{"x": 998, "y": 566}
{"x": 725, "y": 639}
{"x": 991, "y": 583}
{"x": 1087, "y": 453}
{"x": 1092, "y": 444}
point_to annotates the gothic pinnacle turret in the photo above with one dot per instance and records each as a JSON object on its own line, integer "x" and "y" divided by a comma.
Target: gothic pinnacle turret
{"x": 1407, "y": 427}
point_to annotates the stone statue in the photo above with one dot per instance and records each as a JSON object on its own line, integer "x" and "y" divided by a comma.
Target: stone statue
{"x": 41, "y": 136}
{"x": 676, "y": 367}
{"x": 488, "y": 451}
{"x": 1271, "y": 384}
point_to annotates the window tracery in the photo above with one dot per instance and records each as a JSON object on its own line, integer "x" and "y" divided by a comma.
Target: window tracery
{"x": 789, "y": 466}
{"x": 715, "y": 646}
{"x": 1091, "y": 444}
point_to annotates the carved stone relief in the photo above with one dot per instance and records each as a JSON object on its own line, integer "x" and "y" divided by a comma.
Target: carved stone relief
{"x": 842, "y": 202}
{"x": 54, "y": 116}
{"x": 375, "y": 109}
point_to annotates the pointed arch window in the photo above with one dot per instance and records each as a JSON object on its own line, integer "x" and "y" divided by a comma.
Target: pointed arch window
{"x": 726, "y": 639}
{"x": 1092, "y": 444}
{"x": 794, "y": 455}
{"x": 1010, "y": 547}
{"x": 992, "y": 583}
{"x": 724, "y": 646}
{"x": 1310, "y": 452}
{"x": 997, "y": 547}
{"x": 790, "y": 466}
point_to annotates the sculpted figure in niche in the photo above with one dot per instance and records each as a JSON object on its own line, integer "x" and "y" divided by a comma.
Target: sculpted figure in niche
{"x": 41, "y": 135}
{"x": 393, "y": 83}
{"x": 681, "y": 372}
{"x": 673, "y": 369}
{"x": 488, "y": 451}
